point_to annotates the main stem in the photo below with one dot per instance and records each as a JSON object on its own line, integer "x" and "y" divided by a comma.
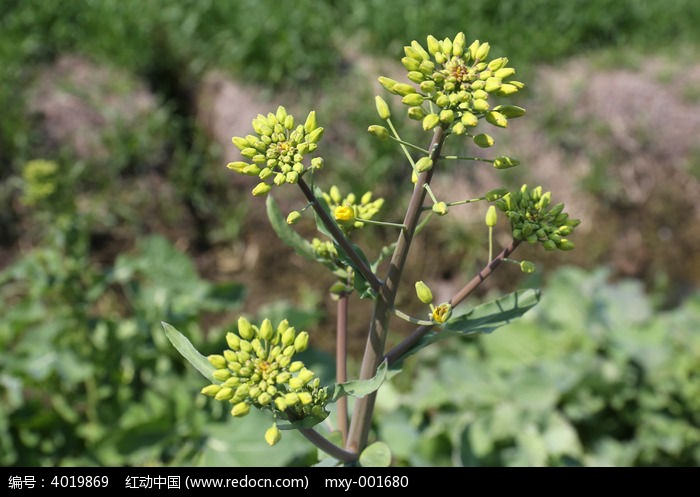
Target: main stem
{"x": 378, "y": 330}
{"x": 341, "y": 373}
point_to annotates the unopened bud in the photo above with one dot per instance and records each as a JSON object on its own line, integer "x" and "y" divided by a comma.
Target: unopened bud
{"x": 415, "y": 113}
{"x": 424, "y": 164}
{"x": 510, "y": 111}
{"x": 505, "y": 162}
{"x": 266, "y": 331}
{"x": 527, "y": 267}
{"x": 224, "y": 394}
{"x": 483, "y": 140}
{"x": 497, "y": 119}
{"x": 210, "y": 390}
{"x": 240, "y": 409}
{"x": 273, "y": 435}
{"x": 218, "y": 361}
{"x": 293, "y": 217}
{"x": 261, "y": 189}
{"x": 424, "y": 293}
{"x": 382, "y": 107}
{"x": 491, "y": 216}
{"x": 413, "y": 99}
{"x": 301, "y": 342}
{"x": 379, "y": 131}
{"x": 430, "y": 121}
{"x": 440, "y": 208}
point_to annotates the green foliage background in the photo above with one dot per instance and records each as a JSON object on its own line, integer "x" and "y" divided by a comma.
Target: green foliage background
{"x": 594, "y": 375}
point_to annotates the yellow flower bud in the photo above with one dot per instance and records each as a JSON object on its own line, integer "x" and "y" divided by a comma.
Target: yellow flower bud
{"x": 413, "y": 99}
{"x": 480, "y": 104}
{"x": 424, "y": 293}
{"x": 382, "y": 107}
{"x": 210, "y": 390}
{"x": 293, "y": 217}
{"x": 469, "y": 119}
{"x": 218, "y": 361}
{"x": 281, "y": 404}
{"x": 527, "y": 267}
{"x": 505, "y": 162}
{"x": 240, "y": 143}
{"x": 273, "y": 435}
{"x": 261, "y": 189}
{"x": 491, "y": 216}
{"x": 245, "y": 329}
{"x": 306, "y": 375}
{"x": 483, "y": 140}
{"x": 237, "y": 166}
{"x": 433, "y": 45}
{"x": 447, "y": 116}
{"x": 403, "y": 89}
{"x": 240, "y": 409}
{"x": 430, "y": 121}
{"x": 296, "y": 366}
{"x": 483, "y": 51}
{"x": 440, "y": 208}
{"x": 415, "y": 113}
{"x": 301, "y": 342}
{"x": 344, "y": 213}
{"x": 221, "y": 374}
{"x": 379, "y": 131}
{"x": 510, "y": 111}
{"x": 310, "y": 123}
{"x": 424, "y": 164}
{"x": 497, "y": 119}
{"x": 291, "y": 398}
{"x": 224, "y": 394}
{"x": 266, "y": 332}
{"x": 388, "y": 83}
{"x": 504, "y": 72}
{"x": 305, "y": 398}
{"x": 295, "y": 383}
{"x": 288, "y": 336}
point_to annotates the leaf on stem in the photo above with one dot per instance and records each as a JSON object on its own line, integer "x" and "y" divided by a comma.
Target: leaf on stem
{"x": 285, "y": 232}
{"x": 187, "y": 350}
{"x": 376, "y": 455}
{"x": 360, "y": 388}
{"x": 481, "y": 319}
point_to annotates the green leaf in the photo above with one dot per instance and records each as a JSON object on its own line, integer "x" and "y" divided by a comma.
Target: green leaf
{"x": 376, "y": 455}
{"x": 482, "y": 319}
{"x": 285, "y": 232}
{"x": 187, "y": 350}
{"x": 360, "y": 388}
{"x": 302, "y": 424}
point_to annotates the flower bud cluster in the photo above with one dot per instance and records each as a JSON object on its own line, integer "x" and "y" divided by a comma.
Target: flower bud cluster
{"x": 457, "y": 80}
{"x": 534, "y": 220}
{"x": 348, "y": 212}
{"x": 258, "y": 370}
{"x": 276, "y": 154}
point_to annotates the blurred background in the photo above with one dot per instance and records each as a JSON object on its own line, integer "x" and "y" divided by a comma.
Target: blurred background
{"x": 117, "y": 212}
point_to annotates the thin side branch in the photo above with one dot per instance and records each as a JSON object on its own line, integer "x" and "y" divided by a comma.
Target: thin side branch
{"x": 410, "y": 341}
{"x": 340, "y": 238}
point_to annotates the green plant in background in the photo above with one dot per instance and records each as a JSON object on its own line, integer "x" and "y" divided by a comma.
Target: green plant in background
{"x": 83, "y": 378}
{"x": 452, "y": 91}
{"x": 592, "y": 376}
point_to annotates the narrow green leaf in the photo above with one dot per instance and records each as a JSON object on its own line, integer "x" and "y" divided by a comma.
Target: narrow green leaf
{"x": 285, "y": 232}
{"x": 187, "y": 350}
{"x": 359, "y": 388}
{"x": 482, "y": 319}
{"x": 376, "y": 455}
{"x": 307, "y": 422}
{"x": 488, "y": 317}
